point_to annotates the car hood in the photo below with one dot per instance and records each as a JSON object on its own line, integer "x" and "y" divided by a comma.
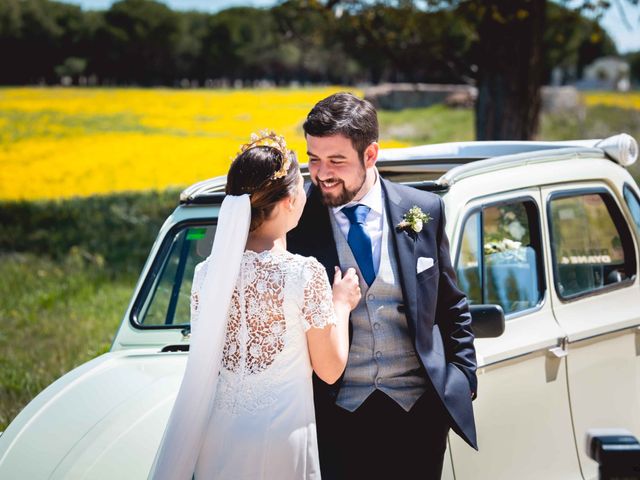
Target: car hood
{"x": 105, "y": 419}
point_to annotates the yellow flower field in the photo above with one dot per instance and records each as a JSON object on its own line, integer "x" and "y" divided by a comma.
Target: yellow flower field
{"x": 629, "y": 100}
{"x": 64, "y": 142}
{"x": 60, "y": 142}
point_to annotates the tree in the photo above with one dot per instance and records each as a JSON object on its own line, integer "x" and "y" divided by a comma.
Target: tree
{"x": 507, "y": 55}
{"x": 634, "y": 66}
{"x": 571, "y": 42}
{"x": 10, "y": 34}
{"x": 137, "y": 42}
{"x": 235, "y": 41}
{"x": 402, "y": 43}
{"x": 510, "y": 63}
{"x": 33, "y": 49}
{"x": 71, "y": 68}
{"x": 312, "y": 45}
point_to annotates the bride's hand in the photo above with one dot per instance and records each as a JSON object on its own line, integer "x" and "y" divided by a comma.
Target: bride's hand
{"x": 346, "y": 289}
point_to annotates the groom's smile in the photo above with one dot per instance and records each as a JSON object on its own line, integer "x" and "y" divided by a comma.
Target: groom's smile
{"x": 329, "y": 184}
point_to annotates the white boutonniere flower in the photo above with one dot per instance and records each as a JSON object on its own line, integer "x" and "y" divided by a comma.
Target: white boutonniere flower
{"x": 414, "y": 220}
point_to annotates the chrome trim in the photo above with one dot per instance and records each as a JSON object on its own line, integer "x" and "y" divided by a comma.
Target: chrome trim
{"x": 562, "y": 344}
{"x": 539, "y": 352}
{"x": 479, "y": 149}
{"x": 610, "y": 333}
{"x": 510, "y": 161}
{"x": 528, "y": 311}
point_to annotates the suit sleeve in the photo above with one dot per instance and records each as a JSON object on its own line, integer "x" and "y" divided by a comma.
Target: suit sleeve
{"x": 452, "y": 312}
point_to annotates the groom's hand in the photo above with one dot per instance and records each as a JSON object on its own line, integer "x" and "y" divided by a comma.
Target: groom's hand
{"x": 346, "y": 290}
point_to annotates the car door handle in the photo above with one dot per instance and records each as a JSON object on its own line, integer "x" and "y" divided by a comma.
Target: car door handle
{"x": 554, "y": 360}
{"x": 559, "y": 352}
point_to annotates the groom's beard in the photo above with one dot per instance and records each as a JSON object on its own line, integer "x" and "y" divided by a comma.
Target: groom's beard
{"x": 339, "y": 194}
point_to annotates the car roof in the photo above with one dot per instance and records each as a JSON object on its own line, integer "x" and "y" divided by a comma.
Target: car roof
{"x": 449, "y": 162}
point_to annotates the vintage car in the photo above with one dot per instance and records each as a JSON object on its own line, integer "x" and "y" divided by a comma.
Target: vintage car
{"x": 549, "y": 231}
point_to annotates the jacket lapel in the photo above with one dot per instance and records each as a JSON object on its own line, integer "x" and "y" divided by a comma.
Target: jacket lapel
{"x": 404, "y": 249}
{"x": 314, "y": 237}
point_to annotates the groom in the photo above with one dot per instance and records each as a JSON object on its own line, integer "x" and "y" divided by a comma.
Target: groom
{"x": 410, "y": 375}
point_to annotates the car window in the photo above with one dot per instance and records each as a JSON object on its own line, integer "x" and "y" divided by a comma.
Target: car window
{"x": 500, "y": 256}
{"x": 634, "y": 205}
{"x": 169, "y": 282}
{"x": 587, "y": 233}
{"x": 469, "y": 264}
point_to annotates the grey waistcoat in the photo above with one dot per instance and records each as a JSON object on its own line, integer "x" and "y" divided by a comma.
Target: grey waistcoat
{"x": 382, "y": 355}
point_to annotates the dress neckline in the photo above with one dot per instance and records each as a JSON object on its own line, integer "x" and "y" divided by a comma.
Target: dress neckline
{"x": 265, "y": 253}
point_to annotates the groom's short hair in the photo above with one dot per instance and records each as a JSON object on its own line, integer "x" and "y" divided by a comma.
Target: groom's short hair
{"x": 344, "y": 114}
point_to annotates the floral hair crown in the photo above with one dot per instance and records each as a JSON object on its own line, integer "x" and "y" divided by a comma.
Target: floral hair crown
{"x": 268, "y": 138}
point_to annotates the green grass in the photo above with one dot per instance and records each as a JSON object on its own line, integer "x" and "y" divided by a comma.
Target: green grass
{"x": 116, "y": 229}
{"x": 66, "y": 277}
{"x": 435, "y": 124}
{"x": 55, "y": 316}
{"x": 597, "y": 122}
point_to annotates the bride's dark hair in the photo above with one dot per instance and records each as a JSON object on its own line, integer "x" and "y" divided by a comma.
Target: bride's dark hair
{"x": 253, "y": 172}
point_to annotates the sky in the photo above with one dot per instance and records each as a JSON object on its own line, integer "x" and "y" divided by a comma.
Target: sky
{"x": 627, "y": 39}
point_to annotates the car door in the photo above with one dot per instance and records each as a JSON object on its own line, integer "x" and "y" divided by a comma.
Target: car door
{"x": 522, "y": 410}
{"x": 159, "y": 314}
{"x": 595, "y": 298}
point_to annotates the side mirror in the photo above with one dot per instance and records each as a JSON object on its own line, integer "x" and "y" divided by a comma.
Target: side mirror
{"x": 487, "y": 321}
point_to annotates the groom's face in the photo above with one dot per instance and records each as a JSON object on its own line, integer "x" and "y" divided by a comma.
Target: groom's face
{"x": 336, "y": 169}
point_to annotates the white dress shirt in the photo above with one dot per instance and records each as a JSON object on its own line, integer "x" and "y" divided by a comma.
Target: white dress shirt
{"x": 373, "y": 222}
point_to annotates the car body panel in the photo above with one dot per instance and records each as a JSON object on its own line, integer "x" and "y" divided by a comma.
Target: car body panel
{"x": 523, "y": 422}
{"x": 604, "y": 384}
{"x": 603, "y": 358}
{"x": 102, "y": 420}
{"x": 520, "y": 381}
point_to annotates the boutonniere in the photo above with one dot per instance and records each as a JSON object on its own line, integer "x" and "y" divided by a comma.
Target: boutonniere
{"x": 414, "y": 220}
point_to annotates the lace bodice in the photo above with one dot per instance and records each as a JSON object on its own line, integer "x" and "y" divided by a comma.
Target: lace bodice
{"x": 278, "y": 296}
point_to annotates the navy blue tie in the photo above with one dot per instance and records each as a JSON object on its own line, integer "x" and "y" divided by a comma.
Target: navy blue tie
{"x": 360, "y": 241}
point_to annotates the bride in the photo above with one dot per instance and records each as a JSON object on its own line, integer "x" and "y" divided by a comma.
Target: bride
{"x": 262, "y": 319}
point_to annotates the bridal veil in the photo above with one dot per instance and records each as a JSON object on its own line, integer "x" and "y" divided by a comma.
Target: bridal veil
{"x": 180, "y": 446}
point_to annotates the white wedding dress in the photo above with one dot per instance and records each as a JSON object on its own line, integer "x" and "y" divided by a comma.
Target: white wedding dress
{"x": 263, "y": 423}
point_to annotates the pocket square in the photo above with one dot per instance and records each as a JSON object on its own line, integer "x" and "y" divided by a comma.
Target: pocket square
{"x": 424, "y": 263}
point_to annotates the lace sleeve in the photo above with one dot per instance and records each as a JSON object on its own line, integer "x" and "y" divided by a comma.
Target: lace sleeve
{"x": 198, "y": 278}
{"x": 317, "y": 307}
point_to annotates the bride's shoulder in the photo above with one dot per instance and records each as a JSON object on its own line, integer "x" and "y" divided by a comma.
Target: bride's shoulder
{"x": 301, "y": 258}
{"x": 305, "y": 266}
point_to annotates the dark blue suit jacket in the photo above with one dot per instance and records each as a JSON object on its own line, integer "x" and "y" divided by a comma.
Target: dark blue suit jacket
{"x": 437, "y": 311}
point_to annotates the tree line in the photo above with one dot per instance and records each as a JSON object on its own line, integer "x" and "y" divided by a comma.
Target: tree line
{"x": 143, "y": 42}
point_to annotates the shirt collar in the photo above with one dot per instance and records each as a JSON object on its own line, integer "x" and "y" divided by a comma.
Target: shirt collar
{"x": 372, "y": 199}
